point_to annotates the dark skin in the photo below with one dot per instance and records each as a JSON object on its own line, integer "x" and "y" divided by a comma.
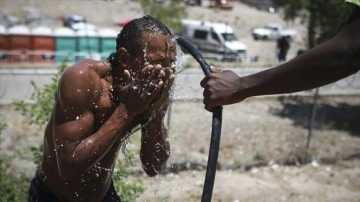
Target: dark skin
{"x": 328, "y": 62}
{"x": 96, "y": 106}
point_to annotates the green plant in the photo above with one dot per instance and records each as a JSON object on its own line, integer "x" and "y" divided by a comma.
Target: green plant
{"x": 259, "y": 156}
{"x": 38, "y": 112}
{"x": 128, "y": 190}
{"x": 12, "y": 188}
{"x": 3, "y": 126}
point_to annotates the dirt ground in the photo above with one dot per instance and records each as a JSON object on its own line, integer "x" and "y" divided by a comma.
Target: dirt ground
{"x": 253, "y": 134}
{"x": 261, "y": 150}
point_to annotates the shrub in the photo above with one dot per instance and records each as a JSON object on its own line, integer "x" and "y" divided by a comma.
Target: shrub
{"x": 129, "y": 190}
{"x": 12, "y": 188}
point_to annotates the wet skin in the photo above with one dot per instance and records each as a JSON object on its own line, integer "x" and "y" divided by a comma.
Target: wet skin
{"x": 95, "y": 108}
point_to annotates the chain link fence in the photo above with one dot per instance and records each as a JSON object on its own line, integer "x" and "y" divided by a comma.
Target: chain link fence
{"x": 315, "y": 125}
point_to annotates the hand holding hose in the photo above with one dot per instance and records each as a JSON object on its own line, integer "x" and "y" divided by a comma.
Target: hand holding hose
{"x": 221, "y": 88}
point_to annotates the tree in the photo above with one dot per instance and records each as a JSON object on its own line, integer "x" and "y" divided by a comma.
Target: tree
{"x": 170, "y": 12}
{"x": 323, "y": 18}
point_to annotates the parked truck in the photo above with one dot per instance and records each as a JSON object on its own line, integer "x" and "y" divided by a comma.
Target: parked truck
{"x": 272, "y": 31}
{"x": 214, "y": 40}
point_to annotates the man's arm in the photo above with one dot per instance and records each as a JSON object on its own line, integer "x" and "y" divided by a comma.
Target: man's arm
{"x": 324, "y": 64}
{"x": 78, "y": 146}
{"x": 155, "y": 146}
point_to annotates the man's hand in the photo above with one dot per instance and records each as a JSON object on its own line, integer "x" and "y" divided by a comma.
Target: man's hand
{"x": 221, "y": 88}
{"x": 160, "y": 102}
{"x": 141, "y": 91}
{"x": 164, "y": 94}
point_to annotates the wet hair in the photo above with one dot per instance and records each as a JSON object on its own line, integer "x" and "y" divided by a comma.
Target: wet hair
{"x": 129, "y": 36}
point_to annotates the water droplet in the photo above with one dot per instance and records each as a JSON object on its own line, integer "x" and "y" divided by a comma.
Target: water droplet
{"x": 77, "y": 118}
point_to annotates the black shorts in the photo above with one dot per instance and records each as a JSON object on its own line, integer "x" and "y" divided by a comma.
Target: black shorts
{"x": 40, "y": 193}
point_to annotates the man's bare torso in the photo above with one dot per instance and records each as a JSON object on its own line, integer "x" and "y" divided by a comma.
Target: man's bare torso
{"x": 93, "y": 184}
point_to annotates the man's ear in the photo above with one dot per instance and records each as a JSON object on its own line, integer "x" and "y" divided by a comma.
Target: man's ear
{"x": 123, "y": 56}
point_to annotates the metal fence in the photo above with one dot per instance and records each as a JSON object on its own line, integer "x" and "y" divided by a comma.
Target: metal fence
{"x": 15, "y": 83}
{"x": 38, "y": 57}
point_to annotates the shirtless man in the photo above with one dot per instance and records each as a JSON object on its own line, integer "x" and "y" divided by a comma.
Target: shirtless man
{"x": 96, "y": 105}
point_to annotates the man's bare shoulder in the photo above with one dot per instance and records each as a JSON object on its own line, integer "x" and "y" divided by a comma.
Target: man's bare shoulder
{"x": 89, "y": 67}
{"x": 83, "y": 78}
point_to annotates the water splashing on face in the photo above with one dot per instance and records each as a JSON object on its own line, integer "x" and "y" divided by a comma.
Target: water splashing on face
{"x": 179, "y": 55}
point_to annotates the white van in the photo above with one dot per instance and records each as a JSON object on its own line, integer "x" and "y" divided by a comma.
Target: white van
{"x": 214, "y": 40}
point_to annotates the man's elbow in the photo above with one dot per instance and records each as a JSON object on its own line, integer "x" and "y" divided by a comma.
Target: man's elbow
{"x": 152, "y": 170}
{"x": 152, "y": 173}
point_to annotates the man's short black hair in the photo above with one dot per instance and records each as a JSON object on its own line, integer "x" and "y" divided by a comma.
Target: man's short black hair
{"x": 129, "y": 36}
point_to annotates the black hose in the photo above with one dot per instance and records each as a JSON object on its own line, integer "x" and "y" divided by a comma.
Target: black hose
{"x": 216, "y": 124}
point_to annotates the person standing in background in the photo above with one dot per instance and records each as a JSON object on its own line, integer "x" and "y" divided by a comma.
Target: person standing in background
{"x": 283, "y": 46}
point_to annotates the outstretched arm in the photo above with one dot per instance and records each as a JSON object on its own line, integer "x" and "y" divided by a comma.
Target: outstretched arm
{"x": 324, "y": 64}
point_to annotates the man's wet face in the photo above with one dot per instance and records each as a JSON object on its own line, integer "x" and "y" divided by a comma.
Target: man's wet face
{"x": 157, "y": 49}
